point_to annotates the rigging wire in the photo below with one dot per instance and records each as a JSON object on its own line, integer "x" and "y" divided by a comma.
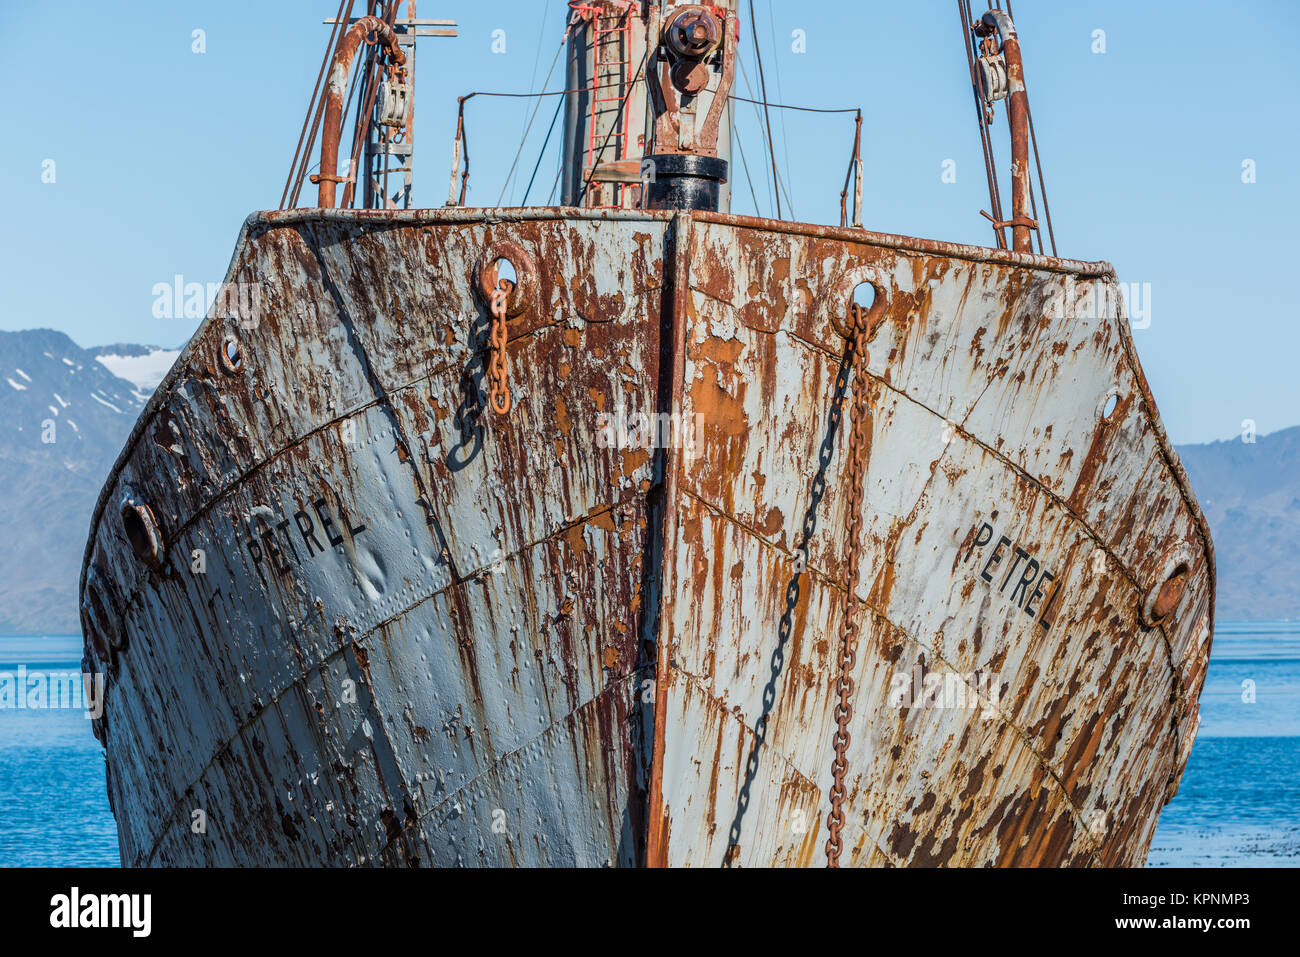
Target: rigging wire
{"x": 533, "y": 119}
{"x": 781, "y": 184}
{"x": 744, "y": 162}
{"x": 344, "y": 17}
{"x": 767, "y": 171}
{"x": 771, "y": 146}
{"x": 542, "y": 154}
{"x": 734, "y": 97}
{"x": 344, "y": 24}
{"x": 785, "y": 135}
{"x": 347, "y": 106}
{"x": 374, "y": 73}
{"x": 1047, "y": 210}
{"x": 986, "y": 141}
{"x": 329, "y": 48}
{"x": 788, "y": 106}
{"x": 550, "y": 200}
{"x": 463, "y": 131}
{"x": 1042, "y": 183}
{"x": 537, "y": 59}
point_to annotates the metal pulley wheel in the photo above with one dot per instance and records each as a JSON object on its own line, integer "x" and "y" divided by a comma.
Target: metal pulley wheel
{"x": 393, "y": 103}
{"x": 993, "y": 77}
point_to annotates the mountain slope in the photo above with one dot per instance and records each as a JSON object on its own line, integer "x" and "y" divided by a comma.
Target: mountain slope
{"x": 63, "y": 419}
{"x": 142, "y": 366}
{"x": 1250, "y": 493}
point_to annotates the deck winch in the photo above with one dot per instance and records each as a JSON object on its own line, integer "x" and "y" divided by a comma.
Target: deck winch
{"x": 697, "y": 51}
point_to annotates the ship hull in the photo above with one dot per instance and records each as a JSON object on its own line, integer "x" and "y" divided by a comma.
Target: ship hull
{"x": 350, "y": 616}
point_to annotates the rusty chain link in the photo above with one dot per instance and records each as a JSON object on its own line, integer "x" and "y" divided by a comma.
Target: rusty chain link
{"x": 499, "y": 363}
{"x": 858, "y": 443}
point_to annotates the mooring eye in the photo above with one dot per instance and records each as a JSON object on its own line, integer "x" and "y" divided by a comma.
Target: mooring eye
{"x": 864, "y": 296}
{"x": 1169, "y": 587}
{"x": 232, "y": 356}
{"x": 1109, "y": 406}
{"x": 1170, "y": 593}
{"x": 863, "y": 299}
{"x": 865, "y": 287}
{"x": 506, "y": 272}
{"x": 143, "y": 533}
{"x": 511, "y": 262}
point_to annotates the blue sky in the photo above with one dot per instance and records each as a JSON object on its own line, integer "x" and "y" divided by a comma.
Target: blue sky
{"x": 160, "y": 153}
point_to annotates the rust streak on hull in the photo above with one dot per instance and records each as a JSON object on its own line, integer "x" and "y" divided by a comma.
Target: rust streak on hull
{"x": 424, "y": 635}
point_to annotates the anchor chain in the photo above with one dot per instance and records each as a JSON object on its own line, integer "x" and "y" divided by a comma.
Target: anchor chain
{"x": 859, "y": 439}
{"x": 499, "y": 362}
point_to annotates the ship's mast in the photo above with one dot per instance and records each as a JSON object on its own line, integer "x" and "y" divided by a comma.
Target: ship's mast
{"x": 384, "y": 121}
{"x": 998, "y": 73}
{"x": 648, "y": 123}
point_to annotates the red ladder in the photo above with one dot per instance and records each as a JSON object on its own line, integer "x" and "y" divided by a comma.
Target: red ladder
{"x": 606, "y": 74}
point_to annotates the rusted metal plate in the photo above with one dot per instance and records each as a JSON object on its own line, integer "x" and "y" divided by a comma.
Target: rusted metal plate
{"x": 988, "y": 384}
{"x": 417, "y": 634}
{"x": 421, "y": 634}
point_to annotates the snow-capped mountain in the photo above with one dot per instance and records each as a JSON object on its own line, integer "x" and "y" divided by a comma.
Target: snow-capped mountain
{"x": 65, "y": 413}
{"x": 142, "y": 366}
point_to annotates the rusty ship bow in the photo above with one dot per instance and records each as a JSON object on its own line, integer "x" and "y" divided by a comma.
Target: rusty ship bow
{"x": 352, "y": 613}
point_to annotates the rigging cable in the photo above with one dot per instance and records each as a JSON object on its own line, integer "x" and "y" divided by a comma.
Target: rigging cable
{"x": 533, "y": 119}
{"x": 767, "y": 173}
{"x": 1042, "y": 183}
{"x": 302, "y": 173}
{"x": 744, "y": 163}
{"x": 374, "y": 74}
{"x": 462, "y": 133}
{"x": 298, "y": 170}
{"x": 542, "y": 154}
{"x": 329, "y": 46}
{"x": 986, "y": 142}
{"x": 785, "y": 135}
{"x": 532, "y": 77}
{"x": 787, "y": 106}
{"x": 773, "y": 186}
{"x": 771, "y": 146}
{"x": 550, "y": 200}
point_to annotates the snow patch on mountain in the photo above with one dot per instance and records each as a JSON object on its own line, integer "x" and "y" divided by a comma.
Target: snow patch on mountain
{"x": 143, "y": 371}
{"x": 105, "y": 402}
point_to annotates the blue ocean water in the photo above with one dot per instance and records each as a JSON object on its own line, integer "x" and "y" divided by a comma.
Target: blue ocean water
{"x": 53, "y": 801}
{"x": 1239, "y": 802}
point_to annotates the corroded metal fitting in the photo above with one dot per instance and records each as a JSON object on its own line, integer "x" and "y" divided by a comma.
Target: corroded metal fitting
{"x": 694, "y": 33}
{"x": 524, "y": 290}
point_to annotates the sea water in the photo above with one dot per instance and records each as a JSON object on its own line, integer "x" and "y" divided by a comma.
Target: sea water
{"x": 53, "y": 800}
{"x": 1239, "y": 802}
